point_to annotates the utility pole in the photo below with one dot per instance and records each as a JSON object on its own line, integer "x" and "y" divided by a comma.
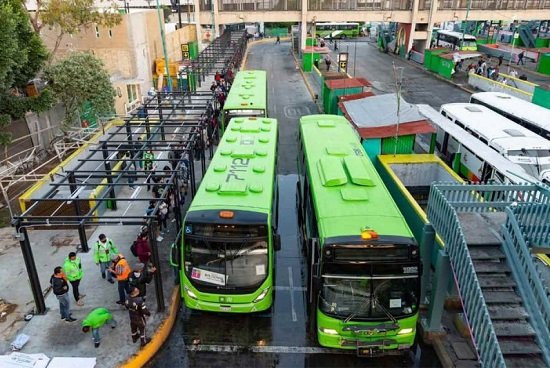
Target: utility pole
{"x": 161, "y": 25}
{"x": 398, "y": 78}
{"x": 465, "y": 20}
{"x": 179, "y": 14}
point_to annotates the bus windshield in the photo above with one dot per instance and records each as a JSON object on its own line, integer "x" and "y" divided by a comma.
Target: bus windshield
{"x": 369, "y": 297}
{"x": 226, "y": 264}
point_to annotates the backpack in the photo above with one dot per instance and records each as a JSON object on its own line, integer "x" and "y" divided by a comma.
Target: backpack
{"x": 133, "y": 248}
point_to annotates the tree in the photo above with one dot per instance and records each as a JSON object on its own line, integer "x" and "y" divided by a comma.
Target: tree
{"x": 22, "y": 56}
{"x": 81, "y": 78}
{"x": 69, "y": 16}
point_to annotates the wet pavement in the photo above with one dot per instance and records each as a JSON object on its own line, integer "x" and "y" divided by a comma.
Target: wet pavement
{"x": 278, "y": 337}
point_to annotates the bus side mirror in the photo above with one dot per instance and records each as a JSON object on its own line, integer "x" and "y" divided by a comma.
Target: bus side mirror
{"x": 175, "y": 255}
{"x": 277, "y": 242}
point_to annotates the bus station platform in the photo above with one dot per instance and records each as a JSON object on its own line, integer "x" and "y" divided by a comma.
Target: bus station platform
{"x": 91, "y": 193}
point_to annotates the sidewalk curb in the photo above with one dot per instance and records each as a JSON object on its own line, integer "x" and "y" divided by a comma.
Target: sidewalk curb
{"x": 144, "y": 355}
{"x": 421, "y": 67}
{"x": 308, "y": 86}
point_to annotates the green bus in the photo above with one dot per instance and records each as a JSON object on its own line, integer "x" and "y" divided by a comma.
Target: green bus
{"x": 337, "y": 30}
{"x": 363, "y": 284}
{"x": 229, "y": 234}
{"x": 247, "y": 97}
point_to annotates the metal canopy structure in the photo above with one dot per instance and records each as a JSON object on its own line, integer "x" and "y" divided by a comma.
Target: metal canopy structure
{"x": 178, "y": 127}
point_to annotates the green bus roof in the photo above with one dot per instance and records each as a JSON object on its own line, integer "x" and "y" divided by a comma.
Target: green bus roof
{"x": 348, "y": 193}
{"x": 248, "y": 91}
{"x": 241, "y": 174}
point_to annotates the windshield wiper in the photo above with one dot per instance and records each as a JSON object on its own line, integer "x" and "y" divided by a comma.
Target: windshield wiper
{"x": 358, "y": 310}
{"x": 386, "y": 311}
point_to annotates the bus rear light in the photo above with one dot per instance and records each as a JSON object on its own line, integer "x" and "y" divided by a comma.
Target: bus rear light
{"x": 226, "y": 214}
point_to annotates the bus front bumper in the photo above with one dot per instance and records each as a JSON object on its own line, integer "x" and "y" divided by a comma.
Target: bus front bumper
{"x": 230, "y": 307}
{"x": 368, "y": 347}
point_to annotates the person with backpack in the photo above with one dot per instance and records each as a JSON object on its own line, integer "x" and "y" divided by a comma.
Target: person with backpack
{"x": 143, "y": 251}
{"x": 72, "y": 267}
{"x": 95, "y": 320}
{"x": 103, "y": 250}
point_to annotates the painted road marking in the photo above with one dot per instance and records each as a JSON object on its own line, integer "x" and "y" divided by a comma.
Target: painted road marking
{"x": 265, "y": 349}
{"x": 287, "y": 288}
{"x": 291, "y": 288}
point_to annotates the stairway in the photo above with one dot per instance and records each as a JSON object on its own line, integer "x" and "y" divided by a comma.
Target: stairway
{"x": 526, "y": 36}
{"x": 510, "y": 320}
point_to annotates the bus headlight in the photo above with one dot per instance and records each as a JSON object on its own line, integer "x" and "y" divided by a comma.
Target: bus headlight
{"x": 329, "y": 331}
{"x": 262, "y": 295}
{"x": 405, "y": 331}
{"x": 190, "y": 293}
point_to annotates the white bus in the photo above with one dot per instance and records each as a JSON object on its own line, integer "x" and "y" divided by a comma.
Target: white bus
{"x": 468, "y": 157}
{"x": 514, "y": 142}
{"x": 455, "y": 40}
{"x": 533, "y": 117}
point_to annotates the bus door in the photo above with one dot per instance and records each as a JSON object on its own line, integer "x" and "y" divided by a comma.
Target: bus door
{"x": 313, "y": 283}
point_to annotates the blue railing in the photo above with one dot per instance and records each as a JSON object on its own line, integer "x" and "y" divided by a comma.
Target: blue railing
{"x": 443, "y": 204}
{"x": 520, "y": 259}
{"x": 528, "y": 210}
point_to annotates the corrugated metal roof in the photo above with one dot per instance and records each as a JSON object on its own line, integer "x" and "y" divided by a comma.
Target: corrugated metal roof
{"x": 381, "y": 110}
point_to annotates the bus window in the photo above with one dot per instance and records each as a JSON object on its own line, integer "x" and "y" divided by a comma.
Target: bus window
{"x": 459, "y": 124}
{"x": 483, "y": 140}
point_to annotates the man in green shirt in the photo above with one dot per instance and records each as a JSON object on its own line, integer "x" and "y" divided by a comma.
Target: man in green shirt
{"x": 73, "y": 271}
{"x": 103, "y": 250}
{"x": 97, "y": 318}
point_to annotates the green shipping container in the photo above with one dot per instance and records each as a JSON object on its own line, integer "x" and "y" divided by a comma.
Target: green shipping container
{"x": 307, "y": 61}
{"x": 542, "y": 42}
{"x": 543, "y": 66}
{"x": 541, "y": 96}
{"x": 402, "y": 145}
{"x": 193, "y": 50}
{"x": 446, "y": 67}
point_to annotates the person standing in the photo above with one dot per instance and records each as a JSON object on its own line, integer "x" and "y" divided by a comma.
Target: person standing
{"x": 148, "y": 158}
{"x": 278, "y": 40}
{"x": 95, "y": 320}
{"x": 103, "y": 250}
{"x": 327, "y": 62}
{"x": 121, "y": 270}
{"x": 72, "y": 267}
{"x": 500, "y": 58}
{"x": 137, "y": 311}
{"x": 60, "y": 288}
{"x": 520, "y": 58}
{"x": 142, "y": 248}
{"x": 140, "y": 277}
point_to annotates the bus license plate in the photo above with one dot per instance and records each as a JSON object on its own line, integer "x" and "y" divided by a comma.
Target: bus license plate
{"x": 225, "y": 308}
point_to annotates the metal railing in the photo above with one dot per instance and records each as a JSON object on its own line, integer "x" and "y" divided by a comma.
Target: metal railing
{"x": 445, "y": 201}
{"x": 526, "y": 272}
{"x": 527, "y": 224}
{"x": 371, "y": 5}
